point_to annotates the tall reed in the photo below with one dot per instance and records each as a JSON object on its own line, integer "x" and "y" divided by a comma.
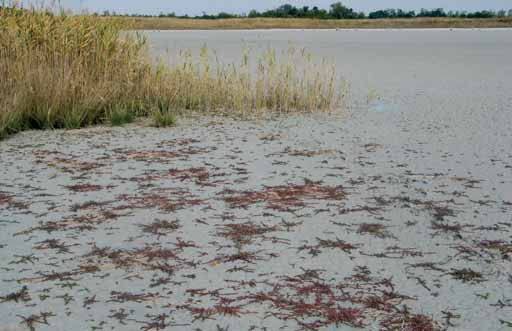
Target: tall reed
{"x": 61, "y": 71}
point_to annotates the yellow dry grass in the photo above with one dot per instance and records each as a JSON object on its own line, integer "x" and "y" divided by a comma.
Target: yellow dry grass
{"x": 156, "y": 23}
{"x": 59, "y": 71}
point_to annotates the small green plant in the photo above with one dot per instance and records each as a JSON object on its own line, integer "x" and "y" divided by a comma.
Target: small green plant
{"x": 120, "y": 116}
{"x": 10, "y": 122}
{"x": 163, "y": 118}
{"x": 74, "y": 118}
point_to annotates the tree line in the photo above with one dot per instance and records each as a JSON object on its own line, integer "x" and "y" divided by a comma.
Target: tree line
{"x": 336, "y": 11}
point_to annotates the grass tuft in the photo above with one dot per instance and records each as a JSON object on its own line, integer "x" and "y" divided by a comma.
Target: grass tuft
{"x": 120, "y": 116}
{"x": 162, "y": 119}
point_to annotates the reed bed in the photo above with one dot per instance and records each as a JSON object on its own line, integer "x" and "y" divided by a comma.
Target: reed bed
{"x": 61, "y": 71}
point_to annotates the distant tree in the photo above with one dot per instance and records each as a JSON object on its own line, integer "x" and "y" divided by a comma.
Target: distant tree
{"x": 287, "y": 10}
{"x": 482, "y": 14}
{"x": 510, "y": 13}
{"x": 254, "y": 13}
{"x": 303, "y": 12}
{"x": 223, "y": 15}
{"x": 438, "y": 12}
{"x": 338, "y": 11}
{"x": 378, "y": 14}
{"x": 319, "y": 13}
{"x": 391, "y": 13}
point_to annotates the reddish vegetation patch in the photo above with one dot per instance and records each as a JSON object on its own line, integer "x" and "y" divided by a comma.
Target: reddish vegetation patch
{"x": 314, "y": 303}
{"x": 203, "y": 314}
{"x": 505, "y": 249}
{"x": 199, "y": 175}
{"x": 149, "y": 155}
{"x": 127, "y": 296}
{"x": 4, "y": 198}
{"x": 284, "y": 197}
{"x": 79, "y": 223}
{"x": 405, "y": 321}
{"x": 31, "y": 321}
{"x": 240, "y": 242}
{"x": 372, "y": 147}
{"x": 315, "y": 250}
{"x": 150, "y": 257}
{"x": 305, "y": 153}
{"x": 338, "y": 244}
{"x": 67, "y": 163}
{"x": 9, "y": 201}
{"x": 84, "y": 188}
{"x": 247, "y": 257}
{"x": 164, "y": 202}
{"x": 349, "y": 316}
{"x": 467, "y": 182}
{"x": 157, "y": 322}
{"x": 467, "y": 275}
{"x": 55, "y": 244}
{"x": 244, "y": 233}
{"x": 158, "y": 254}
{"x": 21, "y": 295}
{"x": 374, "y": 229}
{"x": 158, "y": 155}
{"x": 90, "y": 205}
{"x": 438, "y": 209}
{"x": 177, "y": 142}
{"x": 161, "y": 227}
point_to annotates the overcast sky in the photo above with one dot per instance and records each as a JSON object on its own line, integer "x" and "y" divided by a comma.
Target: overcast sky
{"x": 196, "y": 7}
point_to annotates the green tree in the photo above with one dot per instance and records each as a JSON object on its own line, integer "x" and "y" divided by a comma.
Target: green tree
{"x": 254, "y": 13}
{"x": 338, "y": 11}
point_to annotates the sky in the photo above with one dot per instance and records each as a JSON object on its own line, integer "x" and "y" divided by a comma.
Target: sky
{"x": 196, "y": 7}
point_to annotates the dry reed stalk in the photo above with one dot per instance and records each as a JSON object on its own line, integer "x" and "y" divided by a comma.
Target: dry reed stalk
{"x": 62, "y": 71}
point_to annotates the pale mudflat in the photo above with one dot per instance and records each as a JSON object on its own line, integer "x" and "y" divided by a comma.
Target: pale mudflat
{"x": 395, "y": 214}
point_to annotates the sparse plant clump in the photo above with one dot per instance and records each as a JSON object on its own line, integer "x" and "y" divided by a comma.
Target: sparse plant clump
{"x": 121, "y": 116}
{"x": 162, "y": 119}
{"x": 161, "y": 227}
{"x": 31, "y": 321}
{"x": 245, "y": 233}
{"x": 467, "y": 275}
{"x": 84, "y": 188}
{"x": 21, "y": 295}
{"x": 374, "y": 229}
{"x": 406, "y": 321}
{"x": 286, "y": 196}
{"x": 336, "y": 244}
{"x": 63, "y": 71}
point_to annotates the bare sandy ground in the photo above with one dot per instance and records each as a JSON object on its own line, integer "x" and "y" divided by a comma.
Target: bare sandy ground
{"x": 394, "y": 215}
